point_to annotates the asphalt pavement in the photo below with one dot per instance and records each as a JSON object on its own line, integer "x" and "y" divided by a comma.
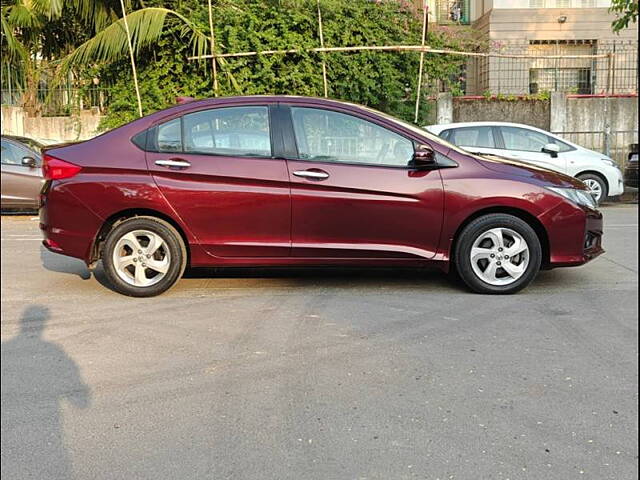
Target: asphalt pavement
{"x": 307, "y": 374}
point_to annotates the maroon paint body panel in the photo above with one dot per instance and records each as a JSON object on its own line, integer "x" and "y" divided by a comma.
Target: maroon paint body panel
{"x": 242, "y": 210}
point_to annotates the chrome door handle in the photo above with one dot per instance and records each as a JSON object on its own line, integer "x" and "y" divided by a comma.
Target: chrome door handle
{"x": 311, "y": 174}
{"x": 173, "y": 163}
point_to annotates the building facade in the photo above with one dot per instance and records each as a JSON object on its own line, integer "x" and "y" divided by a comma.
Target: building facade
{"x": 596, "y": 60}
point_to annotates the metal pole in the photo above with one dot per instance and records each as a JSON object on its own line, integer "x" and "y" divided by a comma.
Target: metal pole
{"x": 214, "y": 67}
{"x": 425, "y": 10}
{"x": 324, "y": 63}
{"x": 133, "y": 60}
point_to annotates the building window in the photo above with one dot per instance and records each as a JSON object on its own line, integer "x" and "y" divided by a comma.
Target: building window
{"x": 573, "y": 75}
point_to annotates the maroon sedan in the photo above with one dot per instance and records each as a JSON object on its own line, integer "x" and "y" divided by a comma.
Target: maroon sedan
{"x": 266, "y": 181}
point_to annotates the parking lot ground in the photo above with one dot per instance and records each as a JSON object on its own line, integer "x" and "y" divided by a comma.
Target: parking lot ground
{"x": 307, "y": 374}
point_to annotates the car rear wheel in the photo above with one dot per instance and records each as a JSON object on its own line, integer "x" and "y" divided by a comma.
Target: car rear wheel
{"x": 143, "y": 256}
{"x": 498, "y": 253}
{"x": 596, "y": 185}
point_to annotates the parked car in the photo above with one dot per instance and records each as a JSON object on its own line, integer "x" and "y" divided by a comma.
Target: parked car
{"x": 336, "y": 184}
{"x": 631, "y": 170}
{"x": 21, "y": 176}
{"x": 533, "y": 145}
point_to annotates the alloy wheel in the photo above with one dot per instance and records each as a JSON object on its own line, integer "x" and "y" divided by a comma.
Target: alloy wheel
{"x": 141, "y": 258}
{"x": 595, "y": 189}
{"x": 499, "y": 256}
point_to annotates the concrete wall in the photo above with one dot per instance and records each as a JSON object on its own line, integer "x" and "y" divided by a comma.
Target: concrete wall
{"x": 531, "y": 112}
{"x": 79, "y": 127}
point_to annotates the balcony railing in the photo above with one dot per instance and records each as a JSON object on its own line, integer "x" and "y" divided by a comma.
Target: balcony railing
{"x": 454, "y": 12}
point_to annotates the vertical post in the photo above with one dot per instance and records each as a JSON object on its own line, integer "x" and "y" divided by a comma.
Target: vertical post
{"x": 133, "y": 60}
{"x": 606, "y": 126}
{"x": 324, "y": 63}
{"x": 214, "y": 67}
{"x": 9, "y": 83}
{"x": 425, "y": 10}
{"x": 613, "y": 69}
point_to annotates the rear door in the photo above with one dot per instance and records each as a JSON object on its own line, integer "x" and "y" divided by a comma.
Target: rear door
{"x": 354, "y": 194}
{"x": 20, "y": 184}
{"x": 217, "y": 170}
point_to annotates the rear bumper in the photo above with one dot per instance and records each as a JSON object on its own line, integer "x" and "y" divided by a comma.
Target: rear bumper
{"x": 575, "y": 235}
{"x": 70, "y": 227}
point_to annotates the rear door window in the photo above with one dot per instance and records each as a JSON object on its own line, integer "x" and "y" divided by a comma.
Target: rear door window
{"x": 472, "y": 137}
{"x": 235, "y": 131}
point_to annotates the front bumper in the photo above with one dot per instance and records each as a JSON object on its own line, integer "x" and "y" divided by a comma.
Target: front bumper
{"x": 574, "y": 233}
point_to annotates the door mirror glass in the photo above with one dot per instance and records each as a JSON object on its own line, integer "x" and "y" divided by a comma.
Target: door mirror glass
{"x": 423, "y": 156}
{"x": 552, "y": 149}
{"x": 29, "y": 162}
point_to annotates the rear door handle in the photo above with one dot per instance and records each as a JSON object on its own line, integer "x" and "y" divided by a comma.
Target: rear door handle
{"x": 313, "y": 174}
{"x": 173, "y": 163}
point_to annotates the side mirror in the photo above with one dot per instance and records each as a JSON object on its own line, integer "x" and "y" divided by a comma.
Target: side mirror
{"x": 29, "y": 162}
{"x": 423, "y": 157}
{"x": 552, "y": 149}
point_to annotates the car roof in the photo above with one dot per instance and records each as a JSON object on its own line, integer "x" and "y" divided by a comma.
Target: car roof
{"x": 446, "y": 126}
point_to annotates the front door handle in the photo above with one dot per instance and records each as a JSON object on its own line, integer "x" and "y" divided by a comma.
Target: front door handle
{"x": 313, "y": 174}
{"x": 173, "y": 163}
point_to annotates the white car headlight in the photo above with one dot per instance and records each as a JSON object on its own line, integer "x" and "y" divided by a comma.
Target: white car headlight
{"x": 610, "y": 162}
{"x": 579, "y": 197}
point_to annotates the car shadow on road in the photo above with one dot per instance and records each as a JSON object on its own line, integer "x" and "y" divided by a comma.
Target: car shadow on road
{"x": 37, "y": 375}
{"x": 336, "y": 276}
{"x": 63, "y": 264}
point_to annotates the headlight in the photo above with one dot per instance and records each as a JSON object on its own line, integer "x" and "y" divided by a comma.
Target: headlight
{"x": 580, "y": 197}
{"x": 610, "y": 162}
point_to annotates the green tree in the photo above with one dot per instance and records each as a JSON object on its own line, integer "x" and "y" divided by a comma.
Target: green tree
{"x": 626, "y": 11}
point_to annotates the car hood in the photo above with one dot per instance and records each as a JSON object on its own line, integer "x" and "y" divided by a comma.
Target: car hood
{"x": 521, "y": 169}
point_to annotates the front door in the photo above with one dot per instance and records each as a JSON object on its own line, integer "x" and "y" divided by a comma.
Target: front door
{"x": 353, "y": 193}
{"x": 526, "y": 146}
{"x": 216, "y": 169}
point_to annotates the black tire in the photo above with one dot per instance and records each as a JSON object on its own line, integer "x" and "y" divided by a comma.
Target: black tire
{"x": 176, "y": 249}
{"x": 478, "y": 227}
{"x": 597, "y": 178}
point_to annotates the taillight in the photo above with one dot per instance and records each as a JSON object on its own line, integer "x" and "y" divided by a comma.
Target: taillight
{"x": 55, "y": 169}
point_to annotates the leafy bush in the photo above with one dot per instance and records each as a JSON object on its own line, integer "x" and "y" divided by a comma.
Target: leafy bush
{"x": 381, "y": 80}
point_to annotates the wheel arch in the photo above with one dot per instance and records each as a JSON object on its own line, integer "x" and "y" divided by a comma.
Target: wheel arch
{"x": 527, "y": 217}
{"x": 122, "y": 215}
{"x": 597, "y": 174}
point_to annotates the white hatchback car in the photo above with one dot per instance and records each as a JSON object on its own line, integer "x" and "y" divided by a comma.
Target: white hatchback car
{"x": 529, "y": 144}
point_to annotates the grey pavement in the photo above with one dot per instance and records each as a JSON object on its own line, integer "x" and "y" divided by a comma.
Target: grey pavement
{"x": 307, "y": 374}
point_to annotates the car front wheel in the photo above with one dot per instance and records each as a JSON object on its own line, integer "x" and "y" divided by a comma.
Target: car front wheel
{"x": 596, "y": 185}
{"x": 498, "y": 253}
{"x": 143, "y": 256}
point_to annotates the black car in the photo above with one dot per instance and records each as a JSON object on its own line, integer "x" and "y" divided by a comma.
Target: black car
{"x": 631, "y": 170}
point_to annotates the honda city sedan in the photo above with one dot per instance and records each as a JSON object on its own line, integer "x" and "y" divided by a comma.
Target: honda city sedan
{"x": 297, "y": 181}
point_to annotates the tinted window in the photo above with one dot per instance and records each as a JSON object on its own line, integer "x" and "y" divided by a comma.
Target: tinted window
{"x": 240, "y": 131}
{"x": 169, "y": 137}
{"x": 11, "y": 155}
{"x": 523, "y": 139}
{"x": 472, "y": 137}
{"x": 328, "y": 136}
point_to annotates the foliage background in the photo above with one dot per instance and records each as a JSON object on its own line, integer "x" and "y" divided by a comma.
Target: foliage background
{"x": 382, "y": 80}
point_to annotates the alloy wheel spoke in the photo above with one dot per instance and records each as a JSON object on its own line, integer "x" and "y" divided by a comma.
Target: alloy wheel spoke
{"x": 160, "y": 266}
{"x": 495, "y": 234}
{"x": 490, "y": 271}
{"x": 155, "y": 242}
{"x": 125, "y": 261}
{"x": 518, "y": 247}
{"x": 479, "y": 253}
{"x": 131, "y": 241}
{"x": 513, "y": 270}
{"x": 140, "y": 275}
